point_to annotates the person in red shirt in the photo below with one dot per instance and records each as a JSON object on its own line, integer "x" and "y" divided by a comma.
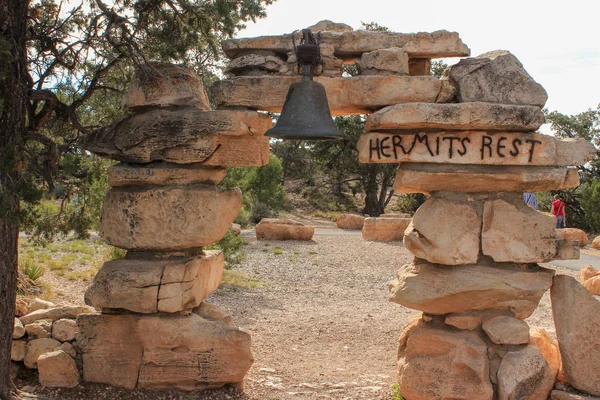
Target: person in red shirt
{"x": 558, "y": 210}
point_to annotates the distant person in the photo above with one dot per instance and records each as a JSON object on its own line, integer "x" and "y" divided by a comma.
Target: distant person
{"x": 558, "y": 210}
{"x": 530, "y": 200}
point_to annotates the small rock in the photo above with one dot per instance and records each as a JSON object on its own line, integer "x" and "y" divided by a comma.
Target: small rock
{"x": 466, "y": 321}
{"x": 17, "y": 350}
{"x": 64, "y": 330}
{"x": 18, "y": 329}
{"x": 562, "y": 395}
{"x": 57, "y": 369}
{"x": 589, "y": 277}
{"x": 525, "y": 375}
{"x": 56, "y": 313}
{"x": 236, "y": 229}
{"x": 39, "y": 329}
{"x": 22, "y": 307}
{"x": 506, "y": 330}
{"x": 39, "y": 304}
{"x": 37, "y": 347}
{"x": 69, "y": 349}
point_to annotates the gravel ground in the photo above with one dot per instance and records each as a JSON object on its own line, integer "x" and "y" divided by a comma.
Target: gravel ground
{"x": 321, "y": 325}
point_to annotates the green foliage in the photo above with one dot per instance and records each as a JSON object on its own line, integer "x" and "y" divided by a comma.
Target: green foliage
{"x": 373, "y": 26}
{"x": 396, "y": 395}
{"x": 590, "y": 203}
{"x": 232, "y": 247}
{"x": 409, "y": 203}
{"x": 31, "y": 269}
{"x": 437, "y": 68}
{"x": 261, "y": 187}
{"x": 277, "y": 251}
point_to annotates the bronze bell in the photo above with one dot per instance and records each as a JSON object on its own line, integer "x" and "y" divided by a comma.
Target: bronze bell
{"x": 305, "y": 114}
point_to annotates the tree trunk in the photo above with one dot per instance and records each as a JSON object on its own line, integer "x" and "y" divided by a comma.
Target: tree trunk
{"x": 372, "y": 204}
{"x": 13, "y": 105}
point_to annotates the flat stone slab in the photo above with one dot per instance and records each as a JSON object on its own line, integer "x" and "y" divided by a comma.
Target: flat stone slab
{"x": 473, "y": 147}
{"x": 185, "y": 136}
{"x": 355, "y": 95}
{"x": 161, "y": 173}
{"x": 151, "y": 285}
{"x": 348, "y": 45}
{"x": 441, "y": 289}
{"x": 384, "y": 229}
{"x": 164, "y": 351}
{"x": 465, "y": 116}
{"x": 428, "y": 178}
{"x": 168, "y": 217}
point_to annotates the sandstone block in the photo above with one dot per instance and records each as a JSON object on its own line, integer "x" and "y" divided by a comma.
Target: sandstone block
{"x": 37, "y": 347}
{"x": 463, "y": 116}
{"x": 419, "y": 66}
{"x": 547, "y": 346}
{"x": 445, "y": 231}
{"x": 168, "y": 217}
{"x": 384, "y": 229}
{"x": 250, "y": 64}
{"x": 465, "y": 321}
{"x": 562, "y": 395}
{"x": 393, "y": 61}
{"x": 39, "y": 329}
{"x": 350, "y": 221}
{"x": 18, "y": 329}
{"x": 185, "y": 136}
{"x": 69, "y": 349}
{"x": 472, "y": 147}
{"x": 56, "y": 313}
{"x": 506, "y": 330}
{"x": 151, "y": 285}
{"x": 496, "y": 77}
{"x": 162, "y": 351}
{"x": 439, "y": 289}
{"x": 439, "y": 364}
{"x": 429, "y": 178}
{"x": 349, "y": 44}
{"x": 162, "y": 85}
{"x": 355, "y": 95}
{"x": 577, "y": 320}
{"x": 57, "y": 369}
{"x": 513, "y": 232}
{"x": 525, "y": 374}
{"x": 39, "y": 304}
{"x": 596, "y": 243}
{"x": 161, "y": 173}
{"x": 573, "y": 234}
{"x": 283, "y": 229}
{"x": 395, "y": 215}
{"x": 17, "y": 350}
{"x": 589, "y": 277}
{"x": 64, "y": 330}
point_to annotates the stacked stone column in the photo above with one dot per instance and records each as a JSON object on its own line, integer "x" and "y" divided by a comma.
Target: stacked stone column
{"x": 476, "y": 243}
{"x": 154, "y": 331}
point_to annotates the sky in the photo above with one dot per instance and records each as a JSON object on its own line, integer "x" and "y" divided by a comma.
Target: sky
{"x": 558, "y": 42}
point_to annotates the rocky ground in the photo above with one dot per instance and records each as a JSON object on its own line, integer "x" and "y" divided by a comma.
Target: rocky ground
{"x": 319, "y": 318}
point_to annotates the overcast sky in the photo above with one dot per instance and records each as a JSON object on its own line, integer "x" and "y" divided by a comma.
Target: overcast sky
{"x": 558, "y": 42}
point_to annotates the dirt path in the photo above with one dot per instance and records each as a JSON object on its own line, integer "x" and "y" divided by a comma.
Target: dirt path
{"x": 321, "y": 326}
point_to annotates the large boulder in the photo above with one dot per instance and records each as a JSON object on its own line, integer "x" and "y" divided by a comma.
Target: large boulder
{"x": 168, "y": 217}
{"x": 283, "y": 229}
{"x": 589, "y": 277}
{"x": 148, "y": 285}
{"x": 393, "y": 61}
{"x": 524, "y": 374}
{"x": 445, "y": 231}
{"x": 573, "y": 234}
{"x": 577, "y": 320}
{"x": 444, "y": 364}
{"x": 350, "y": 221}
{"x": 496, "y": 77}
{"x": 164, "y": 351}
{"x": 513, "y": 232}
{"x": 162, "y": 85}
{"x": 385, "y": 229}
{"x": 440, "y": 289}
{"x": 547, "y": 346}
{"x": 57, "y": 369}
{"x": 596, "y": 243}
{"x": 185, "y": 136}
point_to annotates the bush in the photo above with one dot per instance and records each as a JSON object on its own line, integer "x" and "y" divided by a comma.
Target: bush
{"x": 590, "y": 203}
{"x": 232, "y": 247}
{"x": 409, "y": 203}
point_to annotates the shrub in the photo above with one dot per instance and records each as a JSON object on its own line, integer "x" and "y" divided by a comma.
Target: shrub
{"x": 232, "y": 247}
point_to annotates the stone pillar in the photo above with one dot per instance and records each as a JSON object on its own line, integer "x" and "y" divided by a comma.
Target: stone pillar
{"x": 477, "y": 245}
{"x": 154, "y": 331}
